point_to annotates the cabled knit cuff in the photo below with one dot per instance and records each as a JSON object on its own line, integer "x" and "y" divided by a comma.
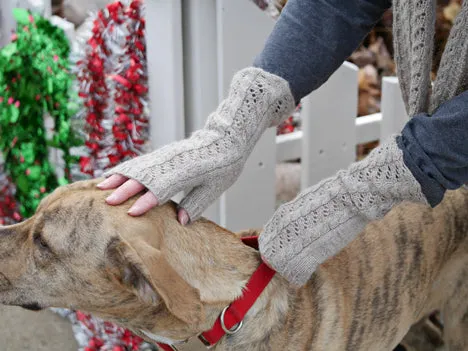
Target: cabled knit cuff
{"x": 326, "y": 217}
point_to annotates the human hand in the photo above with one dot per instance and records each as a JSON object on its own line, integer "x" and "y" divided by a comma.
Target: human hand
{"x": 127, "y": 188}
{"x": 323, "y": 219}
{"x": 211, "y": 160}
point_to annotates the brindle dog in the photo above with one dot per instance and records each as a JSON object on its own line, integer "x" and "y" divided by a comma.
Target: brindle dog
{"x": 168, "y": 283}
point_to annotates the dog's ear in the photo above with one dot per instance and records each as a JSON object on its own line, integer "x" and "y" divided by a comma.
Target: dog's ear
{"x": 145, "y": 270}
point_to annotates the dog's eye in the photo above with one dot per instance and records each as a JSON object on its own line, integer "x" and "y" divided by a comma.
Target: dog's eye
{"x": 40, "y": 242}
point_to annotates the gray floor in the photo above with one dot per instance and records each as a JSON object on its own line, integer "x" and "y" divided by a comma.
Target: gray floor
{"x": 22, "y": 330}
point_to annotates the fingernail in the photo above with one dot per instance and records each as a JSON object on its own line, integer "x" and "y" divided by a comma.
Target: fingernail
{"x": 103, "y": 183}
{"x": 183, "y": 217}
{"x": 112, "y": 197}
{"x": 134, "y": 210}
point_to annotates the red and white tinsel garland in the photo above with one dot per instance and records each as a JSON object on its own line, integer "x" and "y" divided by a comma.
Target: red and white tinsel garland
{"x": 111, "y": 73}
{"x": 110, "y": 65}
{"x": 94, "y": 334}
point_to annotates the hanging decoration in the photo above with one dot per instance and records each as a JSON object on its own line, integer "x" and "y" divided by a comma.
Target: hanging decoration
{"x": 109, "y": 61}
{"x": 271, "y": 7}
{"x": 35, "y": 85}
{"x": 111, "y": 71}
{"x": 94, "y": 334}
{"x": 292, "y": 123}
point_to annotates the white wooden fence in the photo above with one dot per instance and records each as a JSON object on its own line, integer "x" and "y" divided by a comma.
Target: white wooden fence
{"x": 195, "y": 47}
{"x": 223, "y": 36}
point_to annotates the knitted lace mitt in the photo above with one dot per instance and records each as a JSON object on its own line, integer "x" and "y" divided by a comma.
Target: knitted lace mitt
{"x": 326, "y": 217}
{"x": 210, "y": 161}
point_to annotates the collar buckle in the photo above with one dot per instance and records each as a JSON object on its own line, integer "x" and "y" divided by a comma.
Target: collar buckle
{"x": 167, "y": 347}
{"x": 234, "y": 329}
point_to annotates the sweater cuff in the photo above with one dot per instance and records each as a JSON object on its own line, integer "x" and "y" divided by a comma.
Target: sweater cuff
{"x": 421, "y": 167}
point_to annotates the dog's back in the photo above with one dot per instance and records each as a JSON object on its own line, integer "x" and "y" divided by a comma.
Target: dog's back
{"x": 399, "y": 269}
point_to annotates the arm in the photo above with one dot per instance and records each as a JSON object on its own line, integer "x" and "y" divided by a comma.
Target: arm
{"x": 309, "y": 42}
{"x": 429, "y": 157}
{"x": 312, "y": 38}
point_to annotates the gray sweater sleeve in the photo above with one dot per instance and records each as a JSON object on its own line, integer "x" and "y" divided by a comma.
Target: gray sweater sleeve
{"x": 312, "y": 38}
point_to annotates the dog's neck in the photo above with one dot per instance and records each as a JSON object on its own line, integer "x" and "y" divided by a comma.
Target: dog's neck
{"x": 263, "y": 320}
{"x": 267, "y": 315}
{"x": 219, "y": 265}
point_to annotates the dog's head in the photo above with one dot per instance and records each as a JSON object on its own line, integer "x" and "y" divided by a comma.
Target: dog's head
{"x": 78, "y": 252}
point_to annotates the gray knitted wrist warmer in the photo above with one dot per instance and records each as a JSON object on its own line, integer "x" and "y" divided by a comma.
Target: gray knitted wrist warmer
{"x": 326, "y": 217}
{"x": 210, "y": 161}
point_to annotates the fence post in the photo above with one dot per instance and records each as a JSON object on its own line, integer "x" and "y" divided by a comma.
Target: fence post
{"x": 7, "y": 23}
{"x": 394, "y": 114}
{"x": 329, "y": 131}
{"x": 200, "y": 70}
{"x": 242, "y": 31}
{"x": 165, "y": 70}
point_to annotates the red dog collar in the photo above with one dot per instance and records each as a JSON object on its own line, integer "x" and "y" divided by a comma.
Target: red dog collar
{"x": 230, "y": 320}
{"x": 166, "y": 347}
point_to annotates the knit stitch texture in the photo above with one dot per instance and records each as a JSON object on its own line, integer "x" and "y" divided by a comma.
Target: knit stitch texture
{"x": 210, "y": 161}
{"x": 326, "y": 217}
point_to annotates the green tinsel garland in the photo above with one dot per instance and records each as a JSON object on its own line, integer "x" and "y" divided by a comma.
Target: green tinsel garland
{"x": 35, "y": 81}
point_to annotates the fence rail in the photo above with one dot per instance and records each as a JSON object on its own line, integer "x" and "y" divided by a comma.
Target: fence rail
{"x": 368, "y": 128}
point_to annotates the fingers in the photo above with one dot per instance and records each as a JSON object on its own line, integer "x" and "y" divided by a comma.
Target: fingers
{"x": 125, "y": 191}
{"x": 112, "y": 182}
{"x": 191, "y": 207}
{"x": 143, "y": 204}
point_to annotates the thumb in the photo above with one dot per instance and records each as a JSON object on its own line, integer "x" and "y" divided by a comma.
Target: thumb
{"x": 198, "y": 200}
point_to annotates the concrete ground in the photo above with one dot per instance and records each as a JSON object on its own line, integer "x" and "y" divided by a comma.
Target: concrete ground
{"x": 22, "y": 330}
